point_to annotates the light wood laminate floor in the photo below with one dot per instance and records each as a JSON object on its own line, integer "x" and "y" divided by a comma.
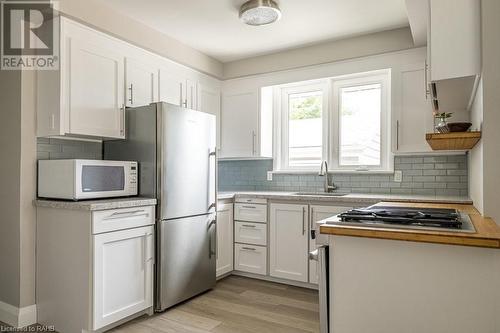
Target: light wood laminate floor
{"x": 237, "y": 305}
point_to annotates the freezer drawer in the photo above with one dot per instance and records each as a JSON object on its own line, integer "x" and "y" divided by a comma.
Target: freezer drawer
{"x": 250, "y": 233}
{"x": 250, "y": 212}
{"x": 250, "y": 258}
{"x": 186, "y": 254}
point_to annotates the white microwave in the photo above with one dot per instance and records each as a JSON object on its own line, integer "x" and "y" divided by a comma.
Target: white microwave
{"x": 86, "y": 179}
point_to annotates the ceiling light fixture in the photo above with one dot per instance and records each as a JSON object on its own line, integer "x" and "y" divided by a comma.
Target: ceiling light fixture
{"x": 260, "y": 12}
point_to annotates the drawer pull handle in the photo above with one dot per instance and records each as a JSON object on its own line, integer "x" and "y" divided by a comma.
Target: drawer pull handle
{"x": 127, "y": 213}
{"x": 249, "y": 248}
{"x": 248, "y": 226}
{"x": 121, "y": 215}
{"x": 250, "y": 207}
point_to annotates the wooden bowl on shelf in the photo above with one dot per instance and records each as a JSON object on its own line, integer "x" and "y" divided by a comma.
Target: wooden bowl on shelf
{"x": 459, "y": 127}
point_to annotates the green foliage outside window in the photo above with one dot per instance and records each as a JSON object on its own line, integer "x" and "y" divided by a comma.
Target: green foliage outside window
{"x": 305, "y": 107}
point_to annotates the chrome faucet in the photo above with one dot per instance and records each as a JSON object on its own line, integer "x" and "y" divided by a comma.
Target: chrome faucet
{"x": 324, "y": 172}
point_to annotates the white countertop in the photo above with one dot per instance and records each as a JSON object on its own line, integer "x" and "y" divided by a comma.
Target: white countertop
{"x": 368, "y": 198}
{"x": 101, "y": 204}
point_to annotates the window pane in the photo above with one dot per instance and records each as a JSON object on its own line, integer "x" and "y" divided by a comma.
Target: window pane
{"x": 305, "y": 129}
{"x": 360, "y": 113}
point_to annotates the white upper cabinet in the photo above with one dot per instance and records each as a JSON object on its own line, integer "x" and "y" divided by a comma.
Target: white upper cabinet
{"x": 100, "y": 75}
{"x": 141, "y": 82}
{"x": 288, "y": 242}
{"x": 190, "y": 94}
{"x": 454, "y": 39}
{"x": 209, "y": 102}
{"x": 240, "y": 124}
{"x": 171, "y": 87}
{"x": 414, "y": 116}
{"x": 85, "y": 97}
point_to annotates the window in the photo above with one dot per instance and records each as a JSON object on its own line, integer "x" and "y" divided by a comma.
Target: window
{"x": 303, "y": 124}
{"x": 342, "y": 120}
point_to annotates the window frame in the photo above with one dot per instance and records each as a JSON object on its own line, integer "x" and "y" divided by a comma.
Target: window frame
{"x": 331, "y": 121}
{"x": 281, "y": 135}
{"x": 362, "y": 79}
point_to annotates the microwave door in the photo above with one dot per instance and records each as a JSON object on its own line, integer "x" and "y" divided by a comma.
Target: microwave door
{"x": 186, "y": 146}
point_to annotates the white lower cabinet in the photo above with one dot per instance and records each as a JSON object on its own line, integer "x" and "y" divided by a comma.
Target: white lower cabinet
{"x": 123, "y": 274}
{"x": 224, "y": 239}
{"x": 288, "y": 243}
{"x": 94, "y": 268}
{"x": 250, "y": 258}
{"x": 250, "y": 233}
{"x": 318, "y": 213}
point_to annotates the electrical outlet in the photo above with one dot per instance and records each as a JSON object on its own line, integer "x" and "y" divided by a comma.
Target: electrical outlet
{"x": 398, "y": 176}
{"x": 269, "y": 175}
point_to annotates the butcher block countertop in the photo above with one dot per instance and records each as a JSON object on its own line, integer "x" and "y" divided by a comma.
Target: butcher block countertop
{"x": 487, "y": 231}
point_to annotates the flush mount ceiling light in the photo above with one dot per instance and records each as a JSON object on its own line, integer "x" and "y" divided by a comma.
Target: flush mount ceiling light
{"x": 260, "y": 12}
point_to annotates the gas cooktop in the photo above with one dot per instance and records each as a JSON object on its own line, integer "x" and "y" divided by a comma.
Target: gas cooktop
{"x": 407, "y": 218}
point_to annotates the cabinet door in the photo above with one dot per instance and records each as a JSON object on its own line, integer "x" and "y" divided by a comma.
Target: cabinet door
{"x": 455, "y": 42}
{"x": 318, "y": 213}
{"x": 209, "y": 102}
{"x": 224, "y": 239}
{"x": 239, "y": 124}
{"x": 93, "y": 88}
{"x": 171, "y": 87}
{"x": 191, "y": 94}
{"x": 123, "y": 274}
{"x": 142, "y": 83}
{"x": 250, "y": 258}
{"x": 288, "y": 244}
{"x": 415, "y": 117}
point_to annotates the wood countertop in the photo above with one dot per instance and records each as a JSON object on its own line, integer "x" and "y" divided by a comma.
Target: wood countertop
{"x": 487, "y": 231}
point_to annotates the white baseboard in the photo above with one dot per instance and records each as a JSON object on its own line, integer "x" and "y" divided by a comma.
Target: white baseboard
{"x": 17, "y": 317}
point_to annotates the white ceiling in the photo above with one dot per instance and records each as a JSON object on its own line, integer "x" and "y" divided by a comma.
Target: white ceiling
{"x": 213, "y": 26}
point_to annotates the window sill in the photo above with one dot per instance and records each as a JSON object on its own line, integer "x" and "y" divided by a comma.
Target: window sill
{"x": 348, "y": 172}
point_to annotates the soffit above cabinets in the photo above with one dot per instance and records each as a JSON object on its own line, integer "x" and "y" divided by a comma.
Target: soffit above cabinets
{"x": 213, "y": 27}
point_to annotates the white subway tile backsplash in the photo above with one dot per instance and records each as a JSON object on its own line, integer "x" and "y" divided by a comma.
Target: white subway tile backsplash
{"x": 63, "y": 149}
{"x": 422, "y": 175}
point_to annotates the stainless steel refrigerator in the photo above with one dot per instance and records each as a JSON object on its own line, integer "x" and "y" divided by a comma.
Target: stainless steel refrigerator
{"x": 175, "y": 149}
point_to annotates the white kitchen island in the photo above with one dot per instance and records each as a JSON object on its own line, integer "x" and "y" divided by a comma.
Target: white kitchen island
{"x": 415, "y": 284}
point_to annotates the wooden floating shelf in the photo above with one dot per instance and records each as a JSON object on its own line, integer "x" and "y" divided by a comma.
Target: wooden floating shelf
{"x": 453, "y": 140}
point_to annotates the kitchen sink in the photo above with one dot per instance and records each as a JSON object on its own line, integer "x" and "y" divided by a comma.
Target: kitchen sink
{"x": 325, "y": 194}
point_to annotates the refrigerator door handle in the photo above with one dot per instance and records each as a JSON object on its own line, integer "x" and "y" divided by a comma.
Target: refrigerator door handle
{"x": 212, "y": 250}
{"x": 214, "y": 203}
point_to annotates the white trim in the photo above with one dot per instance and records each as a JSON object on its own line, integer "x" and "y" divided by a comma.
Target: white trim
{"x": 281, "y": 97}
{"x": 17, "y": 317}
{"x": 27, "y": 316}
{"x": 382, "y": 77}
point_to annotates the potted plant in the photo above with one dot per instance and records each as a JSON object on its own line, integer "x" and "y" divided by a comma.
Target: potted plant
{"x": 442, "y": 126}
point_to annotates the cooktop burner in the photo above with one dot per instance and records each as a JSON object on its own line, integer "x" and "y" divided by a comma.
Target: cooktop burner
{"x": 408, "y": 217}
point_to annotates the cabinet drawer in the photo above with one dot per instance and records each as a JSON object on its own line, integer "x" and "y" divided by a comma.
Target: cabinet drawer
{"x": 250, "y": 258}
{"x": 250, "y": 212}
{"x": 250, "y": 233}
{"x": 251, "y": 200}
{"x": 123, "y": 218}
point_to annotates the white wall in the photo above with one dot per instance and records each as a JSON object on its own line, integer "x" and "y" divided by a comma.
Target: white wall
{"x": 10, "y": 150}
{"x": 476, "y": 154}
{"x": 342, "y": 49}
{"x": 361, "y": 64}
{"x": 491, "y": 102}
